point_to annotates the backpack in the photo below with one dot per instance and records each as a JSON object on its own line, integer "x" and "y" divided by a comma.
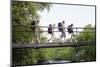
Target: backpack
{"x": 33, "y": 25}
{"x": 70, "y": 30}
{"x": 60, "y": 25}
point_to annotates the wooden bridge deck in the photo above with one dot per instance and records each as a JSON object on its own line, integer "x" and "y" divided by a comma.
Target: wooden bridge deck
{"x": 52, "y": 45}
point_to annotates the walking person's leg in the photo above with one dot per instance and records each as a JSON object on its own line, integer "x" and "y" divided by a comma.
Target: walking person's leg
{"x": 61, "y": 32}
{"x": 50, "y": 37}
{"x": 38, "y": 38}
{"x": 61, "y": 35}
{"x": 73, "y": 36}
{"x": 64, "y": 36}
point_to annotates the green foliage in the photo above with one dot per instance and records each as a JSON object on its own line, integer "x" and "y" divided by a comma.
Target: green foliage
{"x": 24, "y": 56}
{"x": 65, "y": 53}
{"x": 87, "y": 36}
{"x": 87, "y": 53}
{"x": 23, "y": 13}
{"x": 43, "y": 39}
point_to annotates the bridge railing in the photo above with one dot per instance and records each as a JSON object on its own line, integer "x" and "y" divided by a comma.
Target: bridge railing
{"x": 76, "y": 31}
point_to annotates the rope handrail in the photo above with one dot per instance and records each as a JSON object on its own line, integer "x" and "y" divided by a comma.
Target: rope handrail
{"x": 48, "y": 26}
{"x": 53, "y": 31}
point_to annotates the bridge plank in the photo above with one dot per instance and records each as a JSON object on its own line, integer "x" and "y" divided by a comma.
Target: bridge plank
{"x": 52, "y": 45}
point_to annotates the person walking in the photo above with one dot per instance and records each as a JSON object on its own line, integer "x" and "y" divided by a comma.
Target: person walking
{"x": 64, "y": 31}
{"x": 70, "y": 31}
{"x": 50, "y": 31}
{"x": 61, "y": 28}
{"x": 35, "y": 29}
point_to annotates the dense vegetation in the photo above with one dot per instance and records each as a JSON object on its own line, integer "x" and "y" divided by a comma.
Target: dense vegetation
{"x": 87, "y": 53}
{"x": 23, "y": 13}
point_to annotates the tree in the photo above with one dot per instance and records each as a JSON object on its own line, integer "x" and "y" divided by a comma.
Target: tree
{"x": 23, "y": 13}
{"x": 87, "y": 53}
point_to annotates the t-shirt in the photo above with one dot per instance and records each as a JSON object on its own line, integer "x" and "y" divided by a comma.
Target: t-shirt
{"x": 50, "y": 30}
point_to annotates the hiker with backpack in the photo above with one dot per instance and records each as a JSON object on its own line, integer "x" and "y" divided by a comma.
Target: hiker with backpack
{"x": 50, "y": 31}
{"x": 61, "y": 28}
{"x": 35, "y": 29}
{"x": 70, "y": 31}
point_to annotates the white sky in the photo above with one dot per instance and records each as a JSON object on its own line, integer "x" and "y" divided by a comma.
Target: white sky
{"x": 78, "y": 15}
